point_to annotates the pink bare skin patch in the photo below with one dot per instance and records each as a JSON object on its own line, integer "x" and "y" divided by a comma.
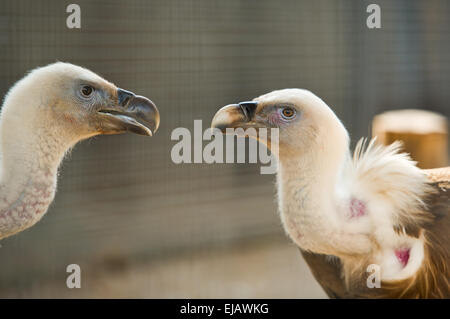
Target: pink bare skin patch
{"x": 402, "y": 256}
{"x": 357, "y": 208}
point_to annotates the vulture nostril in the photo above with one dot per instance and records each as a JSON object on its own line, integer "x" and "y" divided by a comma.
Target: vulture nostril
{"x": 124, "y": 96}
{"x": 248, "y": 108}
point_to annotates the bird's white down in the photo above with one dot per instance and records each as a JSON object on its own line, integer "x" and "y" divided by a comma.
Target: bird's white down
{"x": 43, "y": 116}
{"x": 31, "y": 147}
{"x": 342, "y": 205}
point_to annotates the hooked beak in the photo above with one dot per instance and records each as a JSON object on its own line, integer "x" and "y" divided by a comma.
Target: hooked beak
{"x": 132, "y": 113}
{"x": 235, "y": 115}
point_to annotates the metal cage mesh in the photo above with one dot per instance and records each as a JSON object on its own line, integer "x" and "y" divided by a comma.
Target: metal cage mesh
{"x": 122, "y": 195}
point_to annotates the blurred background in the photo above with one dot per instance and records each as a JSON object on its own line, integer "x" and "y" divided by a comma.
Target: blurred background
{"x": 142, "y": 226}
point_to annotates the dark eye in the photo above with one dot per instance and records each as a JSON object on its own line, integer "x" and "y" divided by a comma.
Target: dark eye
{"x": 86, "y": 90}
{"x": 288, "y": 113}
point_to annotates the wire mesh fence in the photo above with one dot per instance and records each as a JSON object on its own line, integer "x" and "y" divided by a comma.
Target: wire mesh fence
{"x": 122, "y": 195}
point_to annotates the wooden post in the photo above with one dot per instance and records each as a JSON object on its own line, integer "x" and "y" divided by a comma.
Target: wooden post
{"x": 423, "y": 133}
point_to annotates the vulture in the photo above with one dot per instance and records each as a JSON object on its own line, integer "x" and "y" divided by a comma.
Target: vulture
{"x": 353, "y": 216}
{"x": 43, "y": 116}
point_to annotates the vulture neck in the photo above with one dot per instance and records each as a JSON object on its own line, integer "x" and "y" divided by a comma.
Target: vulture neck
{"x": 312, "y": 187}
{"x": 30, "y": 157}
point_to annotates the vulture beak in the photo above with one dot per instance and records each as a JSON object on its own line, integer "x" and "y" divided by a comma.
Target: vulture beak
{"x": 235, "y": 115}
{"x": 131, "y": 113}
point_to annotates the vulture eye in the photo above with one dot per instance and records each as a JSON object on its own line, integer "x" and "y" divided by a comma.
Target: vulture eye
{"x": 86, "y": 90}
{"x": 288, "y": 113}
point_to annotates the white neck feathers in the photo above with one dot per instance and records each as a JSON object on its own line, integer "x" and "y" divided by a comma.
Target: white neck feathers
{"x": 30, "y": 156}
